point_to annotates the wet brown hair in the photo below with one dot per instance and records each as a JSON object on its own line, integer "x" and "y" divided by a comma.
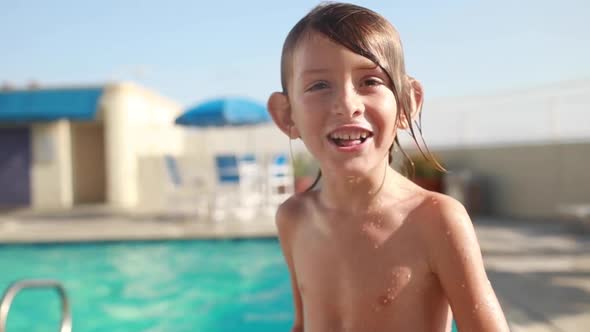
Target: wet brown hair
{"x": 370, "y": 35}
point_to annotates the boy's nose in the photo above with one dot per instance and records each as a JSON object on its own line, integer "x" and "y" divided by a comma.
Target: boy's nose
{"x": 349, "y": 103}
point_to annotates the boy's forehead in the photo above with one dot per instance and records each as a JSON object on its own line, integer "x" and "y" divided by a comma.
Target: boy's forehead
{"x": 310, "y": 44}
{"x": 316, "y": 52}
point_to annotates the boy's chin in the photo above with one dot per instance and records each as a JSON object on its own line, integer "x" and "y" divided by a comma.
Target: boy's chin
{"x": 352, "y": 169}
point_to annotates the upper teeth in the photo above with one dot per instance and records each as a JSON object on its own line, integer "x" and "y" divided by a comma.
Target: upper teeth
{"x": 350, "y": 135}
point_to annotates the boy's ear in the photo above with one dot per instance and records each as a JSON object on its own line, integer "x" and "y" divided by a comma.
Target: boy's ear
{"x": 416, "y": 96}
{"x": 280, "y": 111}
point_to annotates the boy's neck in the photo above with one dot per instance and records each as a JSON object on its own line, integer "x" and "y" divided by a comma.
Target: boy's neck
{"x": 358, "y": 194}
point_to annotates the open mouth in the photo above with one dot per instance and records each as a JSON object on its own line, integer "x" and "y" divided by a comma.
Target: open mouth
{"x": 349, "y": 137}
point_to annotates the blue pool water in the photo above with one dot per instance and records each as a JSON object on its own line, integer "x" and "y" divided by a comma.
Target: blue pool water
{"x": 227, "y": 285}
{"x": 153, "y": 286}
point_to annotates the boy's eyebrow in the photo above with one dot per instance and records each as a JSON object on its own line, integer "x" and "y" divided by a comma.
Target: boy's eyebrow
{"x": 314, "y": 71}
{"x": 324, "y": 70}
{"x": 368, "y": 67}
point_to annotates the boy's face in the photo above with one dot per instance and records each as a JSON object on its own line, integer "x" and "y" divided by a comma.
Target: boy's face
{"x": 341, "y": 105}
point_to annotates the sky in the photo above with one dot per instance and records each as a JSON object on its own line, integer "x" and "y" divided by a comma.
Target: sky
{"x": 190, "y": 51}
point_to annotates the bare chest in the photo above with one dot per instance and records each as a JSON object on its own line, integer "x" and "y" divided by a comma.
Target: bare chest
{"x": 371, "y": 267}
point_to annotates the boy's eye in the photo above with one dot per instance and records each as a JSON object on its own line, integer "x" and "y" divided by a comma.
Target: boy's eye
{"x": 372, "y": 82}
{"x": 317, "y": 86}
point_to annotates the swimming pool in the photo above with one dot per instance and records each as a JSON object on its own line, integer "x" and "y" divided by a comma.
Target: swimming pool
{"x": 221, "y": 285}
{"x": 153, "y": 286}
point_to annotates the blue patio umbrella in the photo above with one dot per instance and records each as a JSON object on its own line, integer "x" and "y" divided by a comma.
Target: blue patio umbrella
{"x": 227, "y": 111}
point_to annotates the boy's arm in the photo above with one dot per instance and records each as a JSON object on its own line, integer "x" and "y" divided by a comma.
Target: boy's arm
{"x": 456, "y": 259}
{"x": 286, "y": 229}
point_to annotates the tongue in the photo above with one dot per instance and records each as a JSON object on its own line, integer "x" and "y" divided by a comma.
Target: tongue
{"x": 346, "y": 142}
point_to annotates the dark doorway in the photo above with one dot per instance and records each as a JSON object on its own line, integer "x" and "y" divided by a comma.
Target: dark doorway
{"x": 15, "y": 166}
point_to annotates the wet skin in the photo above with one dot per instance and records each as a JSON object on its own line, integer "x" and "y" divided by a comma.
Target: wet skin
{"x": 371, "y": 251}
{"x": 367, "y": 271}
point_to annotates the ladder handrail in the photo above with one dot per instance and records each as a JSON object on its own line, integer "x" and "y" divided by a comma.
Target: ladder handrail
{"x": 17, "y": 286}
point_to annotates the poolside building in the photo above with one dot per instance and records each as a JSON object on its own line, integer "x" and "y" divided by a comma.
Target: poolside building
{"x": 64, "y": 147}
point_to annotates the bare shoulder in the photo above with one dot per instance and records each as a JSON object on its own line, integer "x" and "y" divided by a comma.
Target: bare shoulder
{"x": 294, "y": 211}
{"x": 454, "y": 220}
{"x": 445, "y": 223}
{"x": 441, "y": 213}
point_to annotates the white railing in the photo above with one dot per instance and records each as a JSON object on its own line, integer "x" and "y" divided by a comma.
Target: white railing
{"x": 16, "y": 287}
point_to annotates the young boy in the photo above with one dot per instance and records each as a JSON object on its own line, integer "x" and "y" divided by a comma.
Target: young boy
{"x": 370, "y": 251}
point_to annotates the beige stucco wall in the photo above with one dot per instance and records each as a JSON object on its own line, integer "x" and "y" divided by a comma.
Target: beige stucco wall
{"x": 138, "y": 123}
{"x": 263, "y": 138}
{"x": 51, "y": 170}
{"x": 203, "y": 144}
{"x": 529, "y": 181}
{"x": 159, "y": 192}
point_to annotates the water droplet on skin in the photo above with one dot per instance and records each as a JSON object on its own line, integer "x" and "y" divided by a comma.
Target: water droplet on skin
{"x": 434, "y": 201}
{"x": 489, "y": 302}
{"x": 378, "y": 223}
{"x": 352, "y": 179}
{"x": 448, "y": 233}
{"x": 378, "y": 202}
{"x": 462, "y": 285}
{"x": 365, "y": 228}
{"x": 376, "y": 246}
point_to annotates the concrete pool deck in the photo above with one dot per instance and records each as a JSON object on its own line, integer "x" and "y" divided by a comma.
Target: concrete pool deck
{"x": 98, "y": 225}
{"x": 540, "y": 270}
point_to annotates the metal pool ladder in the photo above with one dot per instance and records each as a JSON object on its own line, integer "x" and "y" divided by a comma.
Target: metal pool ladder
{"x": 14, "y": 288}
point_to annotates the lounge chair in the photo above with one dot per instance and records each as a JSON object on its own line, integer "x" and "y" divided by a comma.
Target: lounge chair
{"x": 279, "y": 182}
{"x": 238, "y": 190}
{"x": 186, "y": 195}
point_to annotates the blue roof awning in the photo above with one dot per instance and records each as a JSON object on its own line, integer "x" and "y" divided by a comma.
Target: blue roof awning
{"x": 50, "y": 104}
